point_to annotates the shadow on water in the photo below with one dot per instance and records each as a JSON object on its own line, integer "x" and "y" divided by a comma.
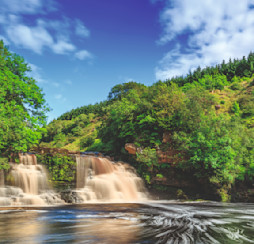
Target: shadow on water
{"x": 154, "y": 222}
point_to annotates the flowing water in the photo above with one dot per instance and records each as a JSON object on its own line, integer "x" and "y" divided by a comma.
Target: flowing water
{"x": 28, "y": 184}
{"x": 100, "y": 180}
{"x": 154, "y": 222}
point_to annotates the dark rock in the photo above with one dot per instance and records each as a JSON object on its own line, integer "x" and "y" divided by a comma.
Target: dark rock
{"x": 217, "y": 107}
{"x": 71, "y": 196}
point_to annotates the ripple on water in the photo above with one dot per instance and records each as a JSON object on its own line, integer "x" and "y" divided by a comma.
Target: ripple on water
{"x": 126, "y": 223}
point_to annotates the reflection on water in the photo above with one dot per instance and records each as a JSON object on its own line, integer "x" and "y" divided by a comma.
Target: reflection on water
{"x": 130, "y": 223}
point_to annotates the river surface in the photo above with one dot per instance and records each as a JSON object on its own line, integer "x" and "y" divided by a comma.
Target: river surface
{"x": 154, "y": 222}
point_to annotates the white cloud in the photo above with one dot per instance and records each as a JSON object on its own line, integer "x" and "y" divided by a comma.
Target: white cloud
{"x": 36, "y": 73}
{"x": 63, "y": 47}
{"x": 41, "y": 33}
{"x": 15, "y": 6}
{"x": 83, "y": 55}
{"x": 34, "y": 38}
{"x": 215, "y": 30}
{"x": 81, "y": 30}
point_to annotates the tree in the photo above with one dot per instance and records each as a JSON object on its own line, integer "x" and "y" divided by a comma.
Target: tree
{"x": 122, "y": 89}
{"x": 22, "y": 105}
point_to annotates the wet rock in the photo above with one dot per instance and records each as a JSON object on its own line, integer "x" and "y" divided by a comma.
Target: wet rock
{"x": 51, "y": 198}
{"x": 71, "y": 196}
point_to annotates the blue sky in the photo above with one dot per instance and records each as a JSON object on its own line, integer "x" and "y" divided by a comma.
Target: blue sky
{"x": 79, "y": 50}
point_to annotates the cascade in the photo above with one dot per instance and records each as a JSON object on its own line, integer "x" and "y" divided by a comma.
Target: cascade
{"x": 28, "y": 184}
{"x": 100, "y": 180}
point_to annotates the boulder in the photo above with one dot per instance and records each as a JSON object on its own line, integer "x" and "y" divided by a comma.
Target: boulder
{"x": 217, "y": 107}
{"x": 71, "y": 196}
{"x": 131, "y": 148}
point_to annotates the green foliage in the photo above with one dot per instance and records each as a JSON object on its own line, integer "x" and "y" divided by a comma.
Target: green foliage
{"x": 218, "y": 76}
{"x": 22, "y": 105}
{"x": 87, "y": 141}
{"x": 246, "y": 103}
{"x": 223, "y": 192}
{"x": 236, "y": 108}
{"x": 235, "y": 86}
{"x": 130, "y": 119}
{"x": 148, "y": 160}
{"x": 120, "y": 90}
{"x": 148, "y": 156}
{"x": 97, "y": 109}
{"x": 61, "y": 167}
{"x": 147, "y": 178}
{"x": 210, "y": 82}
{"x": 159, "y": 176}
{"x": 219, "y": 148}
{"x": 216, "y": 146}
{"x": 75, "y": 134}
{"x": 97, "y": 146}
{"x": 4, "y": 163}
{"x": 236, "y": 79}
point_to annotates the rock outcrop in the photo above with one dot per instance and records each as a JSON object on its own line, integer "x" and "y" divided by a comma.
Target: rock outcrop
{"x": 130, "y": 148}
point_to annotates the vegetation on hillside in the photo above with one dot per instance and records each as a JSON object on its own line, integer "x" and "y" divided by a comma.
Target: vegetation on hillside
{"x": 208, "y": 117}
{"x": 208, "y": 114}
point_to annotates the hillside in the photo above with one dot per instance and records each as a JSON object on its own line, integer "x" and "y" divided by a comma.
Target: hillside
{"x": 201, "y": 125}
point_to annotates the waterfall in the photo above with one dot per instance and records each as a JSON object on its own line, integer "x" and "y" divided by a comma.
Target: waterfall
{"x": 100, "y": 180}
{"x": 29, "y": 176}
{"x": 28, "y": 184}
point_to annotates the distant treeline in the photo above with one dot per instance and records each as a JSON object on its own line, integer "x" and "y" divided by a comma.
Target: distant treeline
{"x": 87, "y": 109}
{"x": 238, "y": 67}
{"x": 99, "y": 108}
{"x": 214, "y": 77}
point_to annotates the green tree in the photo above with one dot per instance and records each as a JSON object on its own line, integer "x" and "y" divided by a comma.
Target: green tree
{"x": 22, "y": 105}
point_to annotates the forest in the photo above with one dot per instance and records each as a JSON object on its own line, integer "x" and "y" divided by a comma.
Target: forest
{"x": 198, "y": 127}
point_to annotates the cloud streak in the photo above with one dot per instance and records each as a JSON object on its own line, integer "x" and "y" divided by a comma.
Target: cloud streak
{"x": 52, "y": 34}
{"x": 81, "y": 30}
{"x": 83, "y": 55}
{"x": 213, "y": 30}
{"x": 27, "y": 6}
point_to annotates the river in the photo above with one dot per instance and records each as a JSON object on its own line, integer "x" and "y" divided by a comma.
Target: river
{"x": 151, "y": 222}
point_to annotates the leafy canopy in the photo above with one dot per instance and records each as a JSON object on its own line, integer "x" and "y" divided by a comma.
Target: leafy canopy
{"x": 22, "y": 104}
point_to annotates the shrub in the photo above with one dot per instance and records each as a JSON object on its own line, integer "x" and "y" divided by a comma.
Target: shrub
{"x": 61, "y": 167}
